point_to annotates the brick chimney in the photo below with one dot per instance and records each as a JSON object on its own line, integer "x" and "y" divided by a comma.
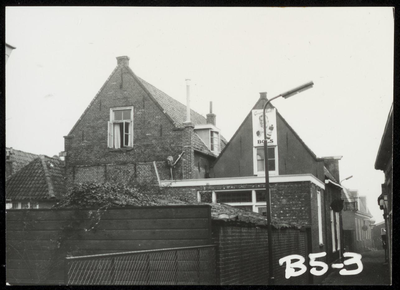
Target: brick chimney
{"x": 332, "y": 164}
{"x": 187, "y": 139}
{"x": 188, "y": 157}
{"x": 211, "y": 118}
{"x": 123, "y": 60}
{"x": 263, "y": 96}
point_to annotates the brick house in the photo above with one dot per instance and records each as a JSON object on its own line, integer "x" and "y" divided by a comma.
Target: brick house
{"x": 384, "y": 162}
{"x": 333, "y": 207}
{"x": 132, "y": 132}
{"x": 305, "y": 188}
{"x": 377, "y": 232}
{"x": 37, "y": 185}
{"x": 357, "y": 222}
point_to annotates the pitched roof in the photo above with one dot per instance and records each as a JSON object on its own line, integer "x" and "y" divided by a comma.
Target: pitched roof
{"x": 200, "y": 146}
{"x": 19, "y": 158}
{"x": 42, "y": 178}
{"x": 256, "y": 106}
{"x": 385, "y": 152}
{"x": 172, "y": 108}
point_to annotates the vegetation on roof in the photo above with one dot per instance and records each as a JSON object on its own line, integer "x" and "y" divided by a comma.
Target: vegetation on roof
{"x": 107, "y": 195}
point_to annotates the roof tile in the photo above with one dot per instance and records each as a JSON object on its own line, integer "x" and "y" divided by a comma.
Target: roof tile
{"x": 31, "y": 182}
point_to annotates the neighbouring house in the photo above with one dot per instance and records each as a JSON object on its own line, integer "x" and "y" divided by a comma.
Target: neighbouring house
{"x": 39, "y": 184}
{"x": 132, "y": 132}
{"x": 305, "y": 188}
{"x": 357, "y": 222}
{"x": 384, "y": 162}
{"x": 378, "y": 231}
{"x": 9, "y": 49}
{"x": 333, "y": 209}
{"x": 17, "y": 159}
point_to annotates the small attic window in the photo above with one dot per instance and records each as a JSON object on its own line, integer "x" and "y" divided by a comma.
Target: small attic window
{"x": 120, "y": 128}
{"x": 214, "y": 141}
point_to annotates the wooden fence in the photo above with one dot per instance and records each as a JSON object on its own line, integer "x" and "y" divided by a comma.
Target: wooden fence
{"x": 37, "y": 241}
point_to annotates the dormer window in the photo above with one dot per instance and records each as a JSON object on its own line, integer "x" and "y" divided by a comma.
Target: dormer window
{"x": 120, "y": 128}
{"x": 210, "y": 136}
{"x": 214, "y": 141}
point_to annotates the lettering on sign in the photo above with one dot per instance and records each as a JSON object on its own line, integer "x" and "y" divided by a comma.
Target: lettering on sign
{"x": 295, "y": 264}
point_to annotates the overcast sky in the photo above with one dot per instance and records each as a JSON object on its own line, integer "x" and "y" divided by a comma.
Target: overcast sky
{"x": 64, "y": 55}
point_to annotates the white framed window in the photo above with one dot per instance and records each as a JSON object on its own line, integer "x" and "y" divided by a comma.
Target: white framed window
{"x": 120, "y": 128}
{"x": 319, "y": 205}
{"x": 259, "y": 160}
{"x": 247, "y": 199}
{"x": 24, "y": 205}
{"x": 214, "y": 141}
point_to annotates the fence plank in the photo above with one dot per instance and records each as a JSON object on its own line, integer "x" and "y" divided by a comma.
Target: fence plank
{"x": 152, "y": 212}
{"x": 189, "y": 224}
{"x": 34, "y": 236}
{"x": 151, "y": 234}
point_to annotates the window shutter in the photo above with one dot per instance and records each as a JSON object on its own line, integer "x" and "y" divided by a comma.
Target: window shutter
{"x": 110, "y": 135}
{"x": 130, "y": 134}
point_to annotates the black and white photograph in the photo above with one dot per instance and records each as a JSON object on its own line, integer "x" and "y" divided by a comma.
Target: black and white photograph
{"x": 198, "y": 145}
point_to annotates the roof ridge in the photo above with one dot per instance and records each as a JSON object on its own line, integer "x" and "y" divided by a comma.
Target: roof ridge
{"x": 140, "y": 81}
{"x": 47, "y": 176}
{"x": 196, "y": 114}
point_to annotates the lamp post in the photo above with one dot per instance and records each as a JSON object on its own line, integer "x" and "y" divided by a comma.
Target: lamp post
{"x": 347, "y": 178}
{"x": 271, "y": 279}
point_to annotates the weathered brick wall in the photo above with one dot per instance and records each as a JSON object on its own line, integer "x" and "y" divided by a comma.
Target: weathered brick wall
{"x": 243, "y": 253}
{"x": 127, "y": 174}
{"x": 291, "y": 202}
{"x": 188, "y": 157}
{"x": 289, "y": 242}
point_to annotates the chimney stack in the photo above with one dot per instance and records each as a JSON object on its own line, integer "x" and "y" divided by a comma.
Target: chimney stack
{"x": 263, "y": 95}
{"x": 123, "y": 60}
{"x": 211, "y": 118}
{"x": 332, "y": 164}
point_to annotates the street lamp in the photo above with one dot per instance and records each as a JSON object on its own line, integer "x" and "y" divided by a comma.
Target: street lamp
{"x": 347, "y": 178}
{"x": 285, "y": 95}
